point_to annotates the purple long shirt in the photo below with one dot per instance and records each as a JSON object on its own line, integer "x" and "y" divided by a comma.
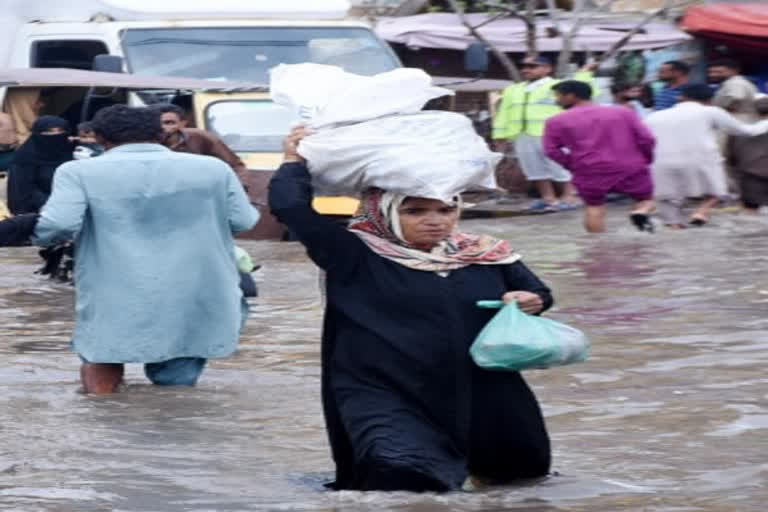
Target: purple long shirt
{"x": 591, "y": 140}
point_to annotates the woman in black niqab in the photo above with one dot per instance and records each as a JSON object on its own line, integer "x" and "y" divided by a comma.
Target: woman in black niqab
{"x": 30, "y": 176}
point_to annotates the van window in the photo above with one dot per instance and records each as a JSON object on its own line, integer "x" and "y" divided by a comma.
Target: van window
{"x": 233, "y": 122}
{"x": 66, "y": 54}
{"x": 248, "y": 53}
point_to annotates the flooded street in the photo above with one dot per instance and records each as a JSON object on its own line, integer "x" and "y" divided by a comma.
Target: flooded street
{"x": 670, "y": 414}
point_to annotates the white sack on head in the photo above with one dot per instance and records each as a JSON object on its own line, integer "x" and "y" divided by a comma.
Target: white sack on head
{"x": 321, "y": 95}
{"x": 430, "y": 154}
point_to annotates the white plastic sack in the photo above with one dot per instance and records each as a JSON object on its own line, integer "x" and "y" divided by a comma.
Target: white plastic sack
{"x": 370, "y": 131}
{"x": 429, "y": 154}
{"x": 321, "y": 95}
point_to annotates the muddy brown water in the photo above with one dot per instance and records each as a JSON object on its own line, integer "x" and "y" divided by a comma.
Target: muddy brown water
{"x": 670, "y": 414}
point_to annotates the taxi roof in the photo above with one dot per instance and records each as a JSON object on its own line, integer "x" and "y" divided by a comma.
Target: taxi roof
{"x": 63, "y": 77}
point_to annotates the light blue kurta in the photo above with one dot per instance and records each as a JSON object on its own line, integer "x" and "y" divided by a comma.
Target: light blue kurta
{"x": 155, "y": 273}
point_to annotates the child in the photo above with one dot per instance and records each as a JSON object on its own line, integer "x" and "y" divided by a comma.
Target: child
{"x": 87, "y": 146}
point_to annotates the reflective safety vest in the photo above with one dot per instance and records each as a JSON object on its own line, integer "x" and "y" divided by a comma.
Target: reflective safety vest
{"x": 523, "y": 111}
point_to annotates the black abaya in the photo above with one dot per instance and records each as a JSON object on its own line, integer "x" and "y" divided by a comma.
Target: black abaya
{"x": 17, "y": 230}
{"x": 405, "y": 406}
{"x": 30, "y": 176}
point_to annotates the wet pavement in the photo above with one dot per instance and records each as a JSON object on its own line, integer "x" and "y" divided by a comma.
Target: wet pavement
{"x": 669, "y": 415}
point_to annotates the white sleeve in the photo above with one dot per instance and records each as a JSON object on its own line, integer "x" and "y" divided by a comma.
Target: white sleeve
{"x": 732, "y": 126}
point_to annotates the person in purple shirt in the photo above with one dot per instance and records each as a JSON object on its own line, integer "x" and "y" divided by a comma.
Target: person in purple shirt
{"x": 606, "y": 148}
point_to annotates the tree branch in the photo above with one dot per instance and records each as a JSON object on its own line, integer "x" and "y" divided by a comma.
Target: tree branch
{"x": 564, "y": 58}
{"x": 530, "y": 28}
{"x": 554, "y": 16}
{"x": 506, "y": 62}
{"x": 624, "y": 40}
{"x": 529, "y": 19}
{"x": 491, "y": 20}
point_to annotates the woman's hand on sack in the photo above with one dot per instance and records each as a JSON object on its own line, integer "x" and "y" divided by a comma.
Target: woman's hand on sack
{"x": 528, "y": 302}
{"x": 291, "y": 144}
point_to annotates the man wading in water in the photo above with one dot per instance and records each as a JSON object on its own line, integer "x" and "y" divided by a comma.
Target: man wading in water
{"x": 155, "y": 270}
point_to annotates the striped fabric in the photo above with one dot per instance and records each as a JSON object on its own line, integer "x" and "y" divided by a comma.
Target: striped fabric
{"x": 666, "y": 98}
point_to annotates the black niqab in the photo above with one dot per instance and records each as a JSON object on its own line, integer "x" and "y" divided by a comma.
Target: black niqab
{"x": 42, "y": 149}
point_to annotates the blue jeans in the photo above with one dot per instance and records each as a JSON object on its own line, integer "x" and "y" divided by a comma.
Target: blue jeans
{"x": 182, "y": 371}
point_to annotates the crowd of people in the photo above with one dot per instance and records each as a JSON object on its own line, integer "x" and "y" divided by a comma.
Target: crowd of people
{"x": 687, "y": 141}
{"x": 405, "y": 407}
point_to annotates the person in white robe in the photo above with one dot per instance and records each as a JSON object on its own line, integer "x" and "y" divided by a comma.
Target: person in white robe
{"x": 687, "y": 160}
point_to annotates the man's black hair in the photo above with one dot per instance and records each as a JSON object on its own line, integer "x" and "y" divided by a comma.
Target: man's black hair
{"x": 85, "y": 127}
{"x": 165, "y": 108}
{"x": 121, "y": 124}
{"x": 679, "y": 66}
{"x": 581, "y": 90}
{"x": 184, "y": 101}
{"x": 725, "y": 63}
{"x": 697, "y": 92}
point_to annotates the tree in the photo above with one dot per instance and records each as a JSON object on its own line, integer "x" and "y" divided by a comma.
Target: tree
{"x": 581, "y": 11}
{"x": 509, "y": 66}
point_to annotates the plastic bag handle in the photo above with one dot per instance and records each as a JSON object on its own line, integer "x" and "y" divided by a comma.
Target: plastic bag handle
{"x": 494, "y": 304}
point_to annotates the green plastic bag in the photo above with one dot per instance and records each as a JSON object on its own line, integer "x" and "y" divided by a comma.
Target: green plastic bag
{"x": 243, "y": 260}
{"x": 516, "y": 341}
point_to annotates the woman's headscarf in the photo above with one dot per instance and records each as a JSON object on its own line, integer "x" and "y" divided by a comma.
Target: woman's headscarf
{"x": 378, "y": 225}
{"x": 42, "y": 149}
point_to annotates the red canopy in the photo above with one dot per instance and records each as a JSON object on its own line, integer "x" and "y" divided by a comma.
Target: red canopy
{"x": 738, "y": 25}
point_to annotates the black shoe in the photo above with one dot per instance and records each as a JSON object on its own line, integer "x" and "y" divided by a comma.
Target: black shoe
{"x": 698, "y": 222}
{"x": 642, "y": 222}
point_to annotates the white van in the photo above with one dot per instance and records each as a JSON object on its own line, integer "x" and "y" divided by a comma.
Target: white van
{"x": 221, "y": 40}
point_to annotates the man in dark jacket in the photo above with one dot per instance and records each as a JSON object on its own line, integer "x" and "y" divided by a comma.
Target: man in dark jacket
{"x": 199, "y": 142}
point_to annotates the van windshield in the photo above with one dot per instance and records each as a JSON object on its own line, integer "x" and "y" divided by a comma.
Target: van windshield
{"x": 249, "y": 126}
{"x": 248, "y": 53}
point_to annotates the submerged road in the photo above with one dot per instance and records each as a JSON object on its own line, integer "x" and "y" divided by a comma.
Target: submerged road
{"x": 670, "y": 414}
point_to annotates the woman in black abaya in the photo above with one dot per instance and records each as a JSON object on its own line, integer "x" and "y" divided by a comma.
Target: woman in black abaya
{"x": 30, "y": 176}
{"x": 405, "y": 406}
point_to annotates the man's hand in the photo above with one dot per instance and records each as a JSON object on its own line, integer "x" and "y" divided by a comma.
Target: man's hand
{"x": 291, "y": 144}
{"x": 528, "y": 302}
{"x": 591, "y": 67}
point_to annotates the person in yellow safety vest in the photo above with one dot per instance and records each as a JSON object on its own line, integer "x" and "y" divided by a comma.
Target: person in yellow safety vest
{"x": 524, "y": 108}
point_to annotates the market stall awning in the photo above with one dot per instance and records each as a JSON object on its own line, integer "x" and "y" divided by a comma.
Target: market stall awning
{"x": 445, "y": 31}
{"x": 740, "y": 19}
{"x": 738, "y": 25}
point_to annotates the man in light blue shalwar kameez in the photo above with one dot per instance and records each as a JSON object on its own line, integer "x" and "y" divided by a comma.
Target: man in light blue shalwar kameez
{"x": 155, "y": 274}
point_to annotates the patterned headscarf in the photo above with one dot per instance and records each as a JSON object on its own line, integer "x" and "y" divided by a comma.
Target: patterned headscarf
{"x": 378, "y": 225}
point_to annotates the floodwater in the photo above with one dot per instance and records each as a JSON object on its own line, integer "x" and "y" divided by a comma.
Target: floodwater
{"x": 670, "y": 414}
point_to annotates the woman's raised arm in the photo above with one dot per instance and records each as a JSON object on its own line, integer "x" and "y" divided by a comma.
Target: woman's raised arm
{"x": 328, "y": 243}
